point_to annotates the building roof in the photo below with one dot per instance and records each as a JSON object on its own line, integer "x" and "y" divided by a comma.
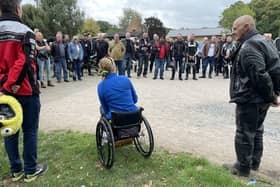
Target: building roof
{"x": 199, "y": 32}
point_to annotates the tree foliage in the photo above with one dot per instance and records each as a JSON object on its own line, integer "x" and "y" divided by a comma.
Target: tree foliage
{"x": 90, "y": 26}
{"x": 234, "y": 11}
{"x": 35, "y": 18}
{"x": 106, "y": 27}
{"x": 129, "y": 15}
{"x": 154, "y": 26}
{"x": 64, "y": 15}
{"x": 267, "y": 15}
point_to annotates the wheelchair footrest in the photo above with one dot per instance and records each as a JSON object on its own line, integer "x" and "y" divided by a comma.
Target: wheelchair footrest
{"x": 123, "y": 142}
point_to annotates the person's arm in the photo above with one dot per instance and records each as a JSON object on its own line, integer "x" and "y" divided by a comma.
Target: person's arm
{"x": 253, "y": 63}
{"x": 123, "y": 49}
{"x": 133, "y": 93}
{"x": 18, "y": 71}
{"x": 81, "y": 52}
{"x": 102, "y": 100}
{"x": 69, "y": 52}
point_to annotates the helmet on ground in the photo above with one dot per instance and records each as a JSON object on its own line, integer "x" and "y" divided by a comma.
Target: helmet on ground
{"x": 10, "y": 116}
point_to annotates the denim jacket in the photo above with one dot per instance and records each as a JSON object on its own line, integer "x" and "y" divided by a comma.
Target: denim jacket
{"x": 73, "y": 52}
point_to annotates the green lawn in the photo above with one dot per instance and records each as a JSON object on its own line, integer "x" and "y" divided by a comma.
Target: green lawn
{"x": 72, "y": 159}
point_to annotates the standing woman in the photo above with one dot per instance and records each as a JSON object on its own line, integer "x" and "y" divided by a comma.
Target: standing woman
{"x": 76, "y": 56}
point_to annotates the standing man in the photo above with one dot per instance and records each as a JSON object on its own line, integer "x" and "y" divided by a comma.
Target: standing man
{"x": 101, "y": 47}
{"x": 219, "y": 60}
{"x": 254, "y": 86}
{"x": 277, "y": 44}
{"x": 117, "y": 51}
{"x": 18, "y": 77}
{"x": 162, "y": 49}
{"x": 129, "y": 53}
{"x": 144, "y": 46}
{"x": 153, "y": 54}
{"x": 86, "y": 44}
{"x": 43, "y": 59}
{"x": 59, "y": 53}
{"x": 227, "y": 51}
{"x": 192, "y": 50}
{"x": 210, "y": 53}
{"x": 179, "y": 49}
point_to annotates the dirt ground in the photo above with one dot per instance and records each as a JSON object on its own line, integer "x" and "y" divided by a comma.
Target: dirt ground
{"x": 190, "y": 116}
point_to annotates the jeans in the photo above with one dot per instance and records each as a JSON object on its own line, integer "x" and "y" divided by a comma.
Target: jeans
{"x": 211, "y": 62}
{"x": 128, "y": 60}
{"x": 31, "y": 110}
{"x": 143, "y": 60}
{"x": 120, "y": 66}
{"x": 61, "y": 64}
{"x": 76, "y": 69}
{"x": 178, "y": 62}
{"x": 159, "y": 64}
{"x": 249, "y": 133}
{"x": 41, "y": 65}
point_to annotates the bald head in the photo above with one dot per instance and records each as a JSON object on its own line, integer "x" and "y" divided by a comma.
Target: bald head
{"x": 242, "y": 26}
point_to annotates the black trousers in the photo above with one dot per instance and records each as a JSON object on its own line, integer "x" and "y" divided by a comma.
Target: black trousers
{"x": 249, "y": 134}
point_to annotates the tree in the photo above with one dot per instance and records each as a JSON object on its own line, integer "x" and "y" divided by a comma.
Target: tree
{"x": 64, "y": 15}
{"x": 129, "y": 15}
{"x": 35, "y": 18}
{"x": 267, "y": 15}
{"x": 154, "y": 26}
{"x": 106, "y": 27}
{"x": 234, "y": 11}
{"x": 90, "y": 26}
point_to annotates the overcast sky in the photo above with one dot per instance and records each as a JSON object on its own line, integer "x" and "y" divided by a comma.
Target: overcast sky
{"x": 173, "y": 13}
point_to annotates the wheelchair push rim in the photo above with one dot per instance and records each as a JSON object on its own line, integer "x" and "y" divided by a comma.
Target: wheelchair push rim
{"x": 105, "y": 144}
{"x": 144, "y": 142}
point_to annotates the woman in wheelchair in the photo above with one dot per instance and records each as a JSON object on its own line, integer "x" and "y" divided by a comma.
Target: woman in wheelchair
{"x": 120, "y": 119}
{"x": 116, "y": 93}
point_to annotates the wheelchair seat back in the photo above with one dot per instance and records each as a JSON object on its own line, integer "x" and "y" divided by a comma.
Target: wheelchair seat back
{"x": 126, "y": 124}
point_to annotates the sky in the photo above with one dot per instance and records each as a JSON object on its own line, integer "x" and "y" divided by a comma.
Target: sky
{"x": 173, "y": 13}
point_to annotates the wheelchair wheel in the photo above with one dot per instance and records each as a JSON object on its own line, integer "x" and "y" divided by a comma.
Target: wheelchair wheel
{"x": 105, "y": 144}
{"x": 145, "y": 141}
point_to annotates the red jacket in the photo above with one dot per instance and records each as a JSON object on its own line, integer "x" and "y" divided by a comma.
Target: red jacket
{"x": 162, "y": 49}
{"x": 17, "y": 57}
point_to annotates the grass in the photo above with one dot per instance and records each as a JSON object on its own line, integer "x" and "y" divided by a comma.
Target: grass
{"x": 73, "y": 161}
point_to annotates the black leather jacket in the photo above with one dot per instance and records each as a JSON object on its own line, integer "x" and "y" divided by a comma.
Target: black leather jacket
{"x": 179, "y": 49}
{"x": 255, "y": 75}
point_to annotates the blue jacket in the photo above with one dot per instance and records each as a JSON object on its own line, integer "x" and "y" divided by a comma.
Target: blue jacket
{"x": 73, "y": 52}
{"x": 116, "y": 93}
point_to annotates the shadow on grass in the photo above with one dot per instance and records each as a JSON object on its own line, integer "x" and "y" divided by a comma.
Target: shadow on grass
{"x": 73, "y": 161}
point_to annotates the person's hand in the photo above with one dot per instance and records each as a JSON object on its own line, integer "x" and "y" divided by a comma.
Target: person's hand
{"x": 15, "y": 88}
{"x": 1, "y": 94}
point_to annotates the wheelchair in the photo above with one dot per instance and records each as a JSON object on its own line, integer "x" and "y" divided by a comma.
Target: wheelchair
{"x": 124, "y": 126}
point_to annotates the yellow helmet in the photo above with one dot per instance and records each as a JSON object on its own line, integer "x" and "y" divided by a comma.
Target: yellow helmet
{"x": 10, "y": 115}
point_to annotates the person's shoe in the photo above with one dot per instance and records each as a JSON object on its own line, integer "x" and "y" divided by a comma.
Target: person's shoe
{"x": 180, "y": 78}
{"x": 154, "y": 78}
{"x": 172, "y": 78}
{"x": 66, "y": 81}
{"x": 195, "y": 79}
{"x": 58, "y": 81}
{"x": 235, "y": 169}
{"x": 50, "y": 84}
{"x": 187, "y": 78}
{"x": 145, "y": 76}
{"x": 17, "y": 176}
{"x": 90, "y": 74}
{"x": 40, "y": 170}
{"x": 210, "y": 76}
{"x": 43, "y": 85}
{"x": 202, "y": 77}
{"x": 80, "y": 79}
{"x": 161, "y": 78}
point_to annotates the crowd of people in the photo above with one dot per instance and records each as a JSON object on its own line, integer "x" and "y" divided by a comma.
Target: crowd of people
{"x": 143, "y": 56}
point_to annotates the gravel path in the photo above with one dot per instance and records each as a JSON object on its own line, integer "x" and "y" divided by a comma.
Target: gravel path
{"x": 190, "y": 116}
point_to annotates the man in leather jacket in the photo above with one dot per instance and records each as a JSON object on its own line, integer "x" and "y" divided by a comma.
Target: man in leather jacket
{"x": 254, "y": 87}
{"x": 179, "y": 50}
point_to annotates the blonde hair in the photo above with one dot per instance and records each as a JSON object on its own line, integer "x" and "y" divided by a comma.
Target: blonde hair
{"x": 107, "y": 65}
